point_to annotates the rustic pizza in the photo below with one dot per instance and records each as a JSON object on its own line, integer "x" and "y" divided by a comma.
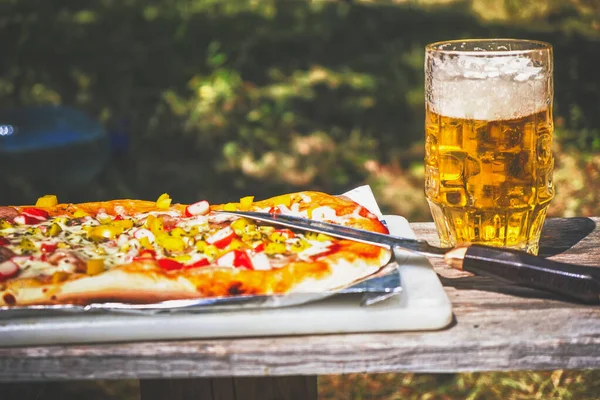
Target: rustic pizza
{"x": 137, "y": 251}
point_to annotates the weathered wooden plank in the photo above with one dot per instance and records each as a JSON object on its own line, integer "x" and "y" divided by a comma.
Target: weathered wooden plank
{"x": 482, "y": 339}
{"x": 497, "y": 327}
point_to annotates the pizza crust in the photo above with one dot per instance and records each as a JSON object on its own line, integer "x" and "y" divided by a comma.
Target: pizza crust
{"x": 146, "y": 283}
{"x": 344, "y": 273}
{"x": 114, "y": 285}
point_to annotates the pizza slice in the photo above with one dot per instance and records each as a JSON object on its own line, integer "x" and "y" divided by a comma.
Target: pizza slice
{"x": 136, "y": 251}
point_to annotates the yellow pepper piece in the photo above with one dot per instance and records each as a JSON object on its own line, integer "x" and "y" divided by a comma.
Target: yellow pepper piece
{"x": 156, "y": 226}
{"x": 239, "y": 226}
{"x": 194, "y": 230}
{"x": 145, "y": 243}
{"x": 48, "y": 200}
{"x": 54, "y": 230}
{"x": 62, "y": 245}
{"x": 275, "y": 248}
{"x": 178, "y": 232}
{"x": 311, "y": 235}
{"x": 246, "y": 202}
{"x": 80, "y": 214}
{"x": 211, "y": 251}
{"x": 122, "y": 224}
{"x": 183, "y": 258}
{"x": 59, "y": 276}
{"x": 171, "y": 243}
{"x": 163, "y": 201}
{"x": 200, "y": 245}
{"x": 267, "y": 229}
{"x": 5, "y": 224}
{"x": 237, "y": 244}
{"x": 230, "y": 207}
{"x": 300, "y": 245}
{"x": 321, "y": 237}
{"x": 95, "y": 266}
{"x": 277, "y": 237}
{"x": 27, "y": 245}
{"x": 251, "y": 236}
{"x": 163, "y": 197}
{"x": 105, "y": 220}
{"x": 284, "y": 200}
{"x": 148, "y": 222}
{"x": 103, "y": 232}
{"x": 34, "y": 231}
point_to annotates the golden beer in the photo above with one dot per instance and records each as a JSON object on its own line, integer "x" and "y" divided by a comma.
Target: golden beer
{"x": 488, "y": 151}
{"x": 489, "y": 182}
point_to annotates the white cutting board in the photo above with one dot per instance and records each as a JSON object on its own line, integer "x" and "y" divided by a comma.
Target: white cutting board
{"x": 422, "y": 305}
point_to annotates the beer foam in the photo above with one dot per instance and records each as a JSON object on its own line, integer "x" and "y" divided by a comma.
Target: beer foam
{"x": 487, "y": 88}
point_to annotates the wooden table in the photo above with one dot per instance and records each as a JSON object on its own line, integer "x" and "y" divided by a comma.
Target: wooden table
{"x": 496, "y": 327}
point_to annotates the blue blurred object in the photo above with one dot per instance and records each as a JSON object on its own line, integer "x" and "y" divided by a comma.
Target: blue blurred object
{"x": 119, "y": 137}
{"x": 52, "y": 144}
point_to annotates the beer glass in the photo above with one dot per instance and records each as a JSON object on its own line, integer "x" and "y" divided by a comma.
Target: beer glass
{"x": 488, "y": 146}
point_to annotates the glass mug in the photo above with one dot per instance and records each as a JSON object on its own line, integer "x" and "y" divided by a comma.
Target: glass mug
{"x": 488, "y": 140}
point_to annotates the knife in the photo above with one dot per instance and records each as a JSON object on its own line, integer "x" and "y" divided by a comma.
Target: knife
{"x": 517, "y": 267}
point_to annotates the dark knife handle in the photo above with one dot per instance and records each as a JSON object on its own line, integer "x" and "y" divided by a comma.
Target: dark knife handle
{"x": 576, "y": 281}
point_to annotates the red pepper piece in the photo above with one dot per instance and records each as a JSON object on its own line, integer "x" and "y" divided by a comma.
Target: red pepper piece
{"x": 4, "y": 241}
{"x": 275, "y": 210}
{"x": 170, "y": 265}
{"x": 146, "y": 254}
{"x": 200, "y": 263}
{"x": 35, "y": 213}
{"x": 25, "y": 219}
{"x": 235, "y": 258}
{"x": 242, "y": 260}
{"x": 169, "y": 223}
{"x": 169, "y": 228}
{"x": 222, "y": 237}
{"x": 260, "y": 247}
{"x": 48, "y": 247}
{"x": 118, "y": 218}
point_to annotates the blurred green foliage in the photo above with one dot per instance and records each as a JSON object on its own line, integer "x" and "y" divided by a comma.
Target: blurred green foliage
{"x": 227, "y": 98}
{"x": 522, "y": 385}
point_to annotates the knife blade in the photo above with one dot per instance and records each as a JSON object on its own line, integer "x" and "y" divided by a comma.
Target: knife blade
{"x": 344, "y": 232}
{"x": 578, "y": 282}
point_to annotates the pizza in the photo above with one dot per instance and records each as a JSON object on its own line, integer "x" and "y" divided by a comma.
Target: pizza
{"x": 137, "y": 251}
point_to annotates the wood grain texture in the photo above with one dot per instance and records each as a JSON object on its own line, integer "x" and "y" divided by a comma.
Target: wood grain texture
{"x": 497, "y": 327}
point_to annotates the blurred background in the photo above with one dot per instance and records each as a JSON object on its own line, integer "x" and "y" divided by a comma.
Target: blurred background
{"x": 216, "y": 99}
{"x": 213, "y": 99}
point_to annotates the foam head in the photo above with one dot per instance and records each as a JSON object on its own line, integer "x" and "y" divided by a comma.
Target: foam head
{"x": 487, "y": 86}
